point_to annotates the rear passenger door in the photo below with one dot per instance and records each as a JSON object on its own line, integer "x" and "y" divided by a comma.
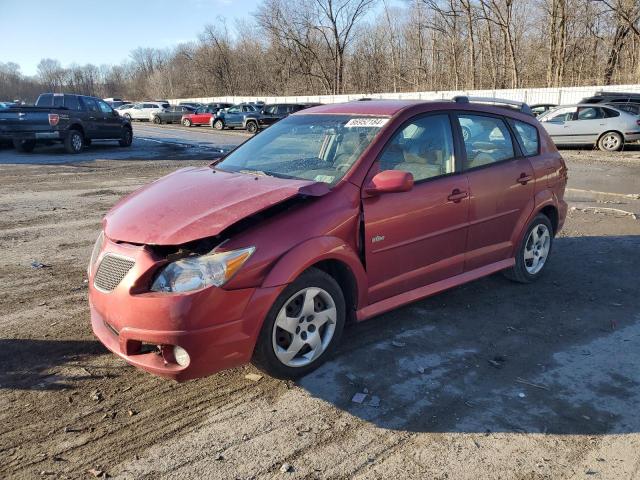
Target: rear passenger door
{"x": 93, "y": 117}
{"x": 501, "y": 188}
{"x": 588, "y": 125}
{"x": 418, "y": 237}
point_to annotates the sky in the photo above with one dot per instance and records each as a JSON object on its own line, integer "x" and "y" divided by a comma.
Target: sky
{"x": 104, "y": 31}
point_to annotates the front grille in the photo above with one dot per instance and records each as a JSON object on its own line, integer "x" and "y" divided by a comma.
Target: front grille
{"x": 111, "y": 271}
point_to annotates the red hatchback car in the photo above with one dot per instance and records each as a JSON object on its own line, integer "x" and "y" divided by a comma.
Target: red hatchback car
{"x": 337, "y": 213}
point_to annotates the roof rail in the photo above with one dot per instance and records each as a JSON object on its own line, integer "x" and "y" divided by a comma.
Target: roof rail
{"x": 521, "y": 106}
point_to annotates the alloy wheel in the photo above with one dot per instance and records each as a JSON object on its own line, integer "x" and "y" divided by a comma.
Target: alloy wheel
{"x": 611, "y": 142}
{"x": 304, "y": 327}
{"x": 536, "y": 249}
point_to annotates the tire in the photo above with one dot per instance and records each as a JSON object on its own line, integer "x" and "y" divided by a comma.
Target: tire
{"x": 610, "y": 142}
{"x": 252, "y": 127}
{"x": 157, "y": 120}
{"x": 186, "y": 122}
{"x": 25, "y": 146}
{"x": 74, "y": 141}
{"x": 271, "y": 353}
{"x": 218, "y": 125}
{"x": 532, "y": 251}
{"x": 126, "y": 138}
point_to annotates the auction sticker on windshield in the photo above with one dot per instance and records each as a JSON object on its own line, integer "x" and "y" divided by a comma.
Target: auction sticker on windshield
{"x": 366, "y": 122}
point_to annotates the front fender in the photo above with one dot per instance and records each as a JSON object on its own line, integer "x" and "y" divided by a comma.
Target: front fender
{"x": 312, "y": 251}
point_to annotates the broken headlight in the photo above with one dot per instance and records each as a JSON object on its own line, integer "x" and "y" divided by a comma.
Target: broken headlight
{"x": 194, "y": 273}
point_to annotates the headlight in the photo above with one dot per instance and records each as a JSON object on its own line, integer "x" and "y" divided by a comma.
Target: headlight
{"x": 96, "y": 252}
{"x": 195, "y": 273}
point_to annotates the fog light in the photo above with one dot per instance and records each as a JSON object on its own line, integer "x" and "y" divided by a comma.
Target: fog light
{"x": 181, "y": 356}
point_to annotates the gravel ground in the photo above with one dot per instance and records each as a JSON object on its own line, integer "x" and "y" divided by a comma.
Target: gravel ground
{"x": 489, "y": 380}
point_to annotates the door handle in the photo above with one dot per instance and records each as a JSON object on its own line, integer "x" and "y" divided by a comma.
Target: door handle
{"x": 457, "y": 196}
{"x": 524, "y": 179}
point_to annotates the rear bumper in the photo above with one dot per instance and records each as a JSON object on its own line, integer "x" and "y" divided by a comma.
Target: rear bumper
{"x": 37, "y": 136}
{"x": 632, "y": 136}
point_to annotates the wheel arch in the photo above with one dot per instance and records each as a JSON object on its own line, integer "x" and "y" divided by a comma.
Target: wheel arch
{"x": 611, "y": 131}
{"x": 329, "y": 254}
{"x": 77, "y": 126}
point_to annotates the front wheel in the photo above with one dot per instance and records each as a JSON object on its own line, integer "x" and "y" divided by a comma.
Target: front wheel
{"x": 186, "y": 122}
{"x": 610, "y": 142}
{"x": 127, "y": 116}
{"x": 303, "y": 327}
{"x": 534, "y": 250}
{"x": 126, "y": 138}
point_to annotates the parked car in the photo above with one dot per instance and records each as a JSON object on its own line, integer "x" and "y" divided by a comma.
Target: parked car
{"x": 116, "y": 102}
{"x": 242, "y": 115}
{"x": 172, "y": 114}
{"x": 270, "y": 114}
{"x": 143, "y": 111}
{"x": 337, "y": 213}
{"x": 203, "y": 115}
{"x": 193, "y": 105}
{"x": 74, "y": 120}
{"x": 541, "y": 108}
{"x": 612, "y": 97}
{"x": 591, "y": 124}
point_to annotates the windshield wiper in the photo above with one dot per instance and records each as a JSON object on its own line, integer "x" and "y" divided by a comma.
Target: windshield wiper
{"x": 256, "y": 172}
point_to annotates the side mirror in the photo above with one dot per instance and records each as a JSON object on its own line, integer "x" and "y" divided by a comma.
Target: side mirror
{"x": 390, "y": 181}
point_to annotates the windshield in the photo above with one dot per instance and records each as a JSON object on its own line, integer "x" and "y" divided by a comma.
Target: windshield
{"x": 311, "y": 147}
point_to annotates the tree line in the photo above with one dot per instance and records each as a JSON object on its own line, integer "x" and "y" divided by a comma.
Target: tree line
{"x": 301, "y": 47}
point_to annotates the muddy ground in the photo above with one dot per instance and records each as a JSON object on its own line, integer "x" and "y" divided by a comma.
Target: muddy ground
{"x": 489, "y": 380}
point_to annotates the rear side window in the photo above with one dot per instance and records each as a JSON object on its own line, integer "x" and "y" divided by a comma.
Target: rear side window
{"x": 45, "y": 100}
{"x": 90, "y": 103}
{"x": 423, "y": 147}
{"x": 610, "y": 113}
{"x": 486, "y": 140}
{"x": 528, "y": 136}
{"x": 71, "y": 102}
{"x": 589, "y": 113}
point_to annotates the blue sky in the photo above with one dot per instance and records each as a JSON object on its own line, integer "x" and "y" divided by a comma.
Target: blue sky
{"x": 104, "y": 31}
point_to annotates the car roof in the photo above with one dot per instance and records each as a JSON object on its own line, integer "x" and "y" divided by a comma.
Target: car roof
{"x": 368, "y": 107}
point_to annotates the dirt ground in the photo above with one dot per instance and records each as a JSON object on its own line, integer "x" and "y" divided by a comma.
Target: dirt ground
{"x": 491, "y": 380}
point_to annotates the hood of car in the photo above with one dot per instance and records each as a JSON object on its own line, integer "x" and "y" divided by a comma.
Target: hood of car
{"x": 195, "y": 203}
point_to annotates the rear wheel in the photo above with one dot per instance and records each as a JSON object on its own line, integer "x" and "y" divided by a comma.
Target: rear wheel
{"x": 186, "y": 122}
{"x": 157, "y": 120}
{"x": 533, "y": 252}
{"x": 610, "y": 142}
{"x": 252, "y": 127}
{"x": 24, "y": 145}
{"x": 303, "y": 327}
{"x": 218, "y": 125}
{"x": 126, "y": 138}
{"x": 74, "y": 141}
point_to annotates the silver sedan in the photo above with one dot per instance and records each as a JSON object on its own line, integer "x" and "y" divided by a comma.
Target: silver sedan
{"x": 591, "y": 124}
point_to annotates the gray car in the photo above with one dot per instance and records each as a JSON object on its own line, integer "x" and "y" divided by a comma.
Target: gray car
{"x": 173, "y": 114}
{"x": 591, "y": 124}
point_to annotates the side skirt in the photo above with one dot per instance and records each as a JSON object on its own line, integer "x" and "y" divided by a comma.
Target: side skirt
{"x": 428, "y": 290}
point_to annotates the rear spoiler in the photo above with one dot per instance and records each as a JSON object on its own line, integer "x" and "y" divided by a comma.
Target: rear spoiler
{"x": 520, "y": 106}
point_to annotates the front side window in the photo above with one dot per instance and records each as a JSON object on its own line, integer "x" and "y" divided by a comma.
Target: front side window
{"x": 234, "y": 110}
{"x": 322, "y": 148}
{"x": 528, "y": 135}
{"x": 423, "y": 147}
{"x": 560, "y": 115}
{"x": 104, "y": 107}
{"x": 90, "y": 103}
{"x": 486, "y": 140}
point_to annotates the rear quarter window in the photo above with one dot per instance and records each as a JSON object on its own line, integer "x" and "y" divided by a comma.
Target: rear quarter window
{"x": 527, "y": 137}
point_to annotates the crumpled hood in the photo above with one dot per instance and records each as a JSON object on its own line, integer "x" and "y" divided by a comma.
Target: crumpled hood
{"x": 195, "y": 203}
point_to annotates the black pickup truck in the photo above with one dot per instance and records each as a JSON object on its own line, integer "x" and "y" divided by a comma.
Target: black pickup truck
{"x": 74, "y": 120}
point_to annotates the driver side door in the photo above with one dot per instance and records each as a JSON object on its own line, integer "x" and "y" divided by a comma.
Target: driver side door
{"x": 558, "y": 125}
{"x": 418, "y": 237}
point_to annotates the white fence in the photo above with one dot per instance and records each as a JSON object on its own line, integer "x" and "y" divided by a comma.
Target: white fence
{"x": 563, "y": 95}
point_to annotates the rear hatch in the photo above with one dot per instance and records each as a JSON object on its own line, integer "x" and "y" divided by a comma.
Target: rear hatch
{"x": 24, "y": 119}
